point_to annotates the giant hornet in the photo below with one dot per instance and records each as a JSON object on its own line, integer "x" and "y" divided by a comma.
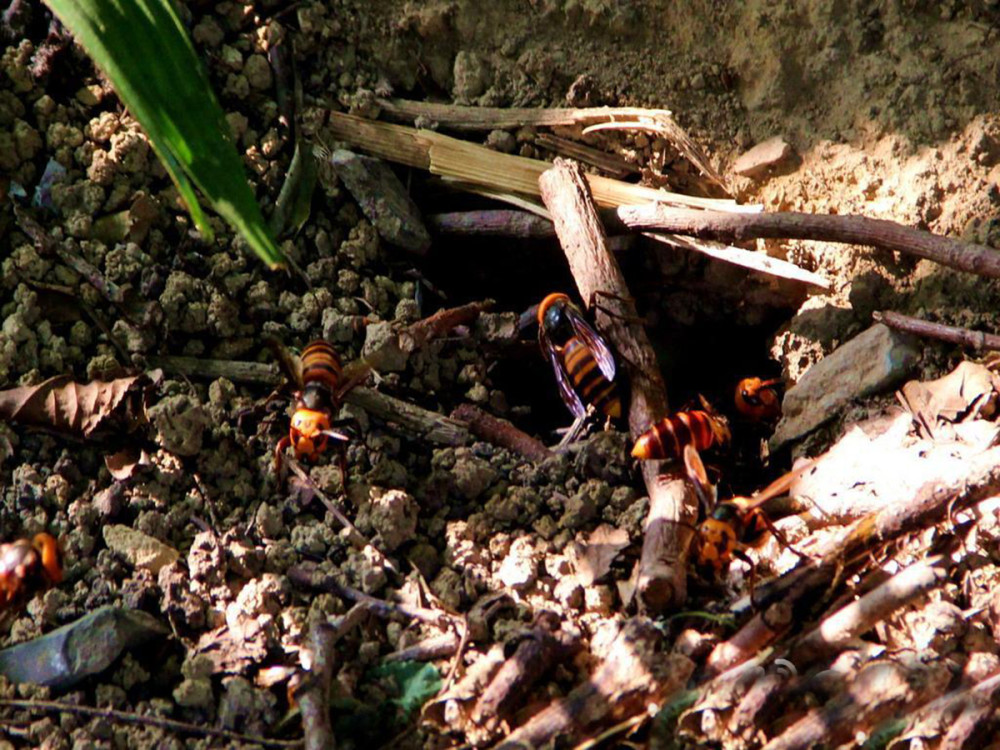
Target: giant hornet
{"x": 309, "y": 430}
{"x": 28, "y": 566}
{"x": 758, "y": 399}
{"x": 583, "y": 363}
{"x": 701, "y": 428}
{"x": 731, "y": 527}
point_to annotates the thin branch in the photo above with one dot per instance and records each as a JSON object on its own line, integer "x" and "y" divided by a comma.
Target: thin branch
{"x": 493, "y": 223}
{"x": 410, "y": 419}
{"x": 976, "y": 340}
{"x": 126, "y": 717}
{"x": 357, "y": 539}
{"x": 758, "y": 633}
{"x": 501, "y": 432}
{"x": 661, "y": 576}
{"x": 255, "y": 373}
{"x": 837, "y": 630}
{"x": 855, "y": 230}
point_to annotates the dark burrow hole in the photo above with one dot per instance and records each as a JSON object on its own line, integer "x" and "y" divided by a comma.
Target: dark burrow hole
{"x": 707, "y": 353}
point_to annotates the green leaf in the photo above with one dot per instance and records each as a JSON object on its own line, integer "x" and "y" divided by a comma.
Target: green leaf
{"x": 417, "y": 683}
{"x": 146, "y": 54}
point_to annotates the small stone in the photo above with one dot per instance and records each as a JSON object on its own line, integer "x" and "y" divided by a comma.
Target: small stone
{"x": 195, "y": 694}
{"x": 519, "y": 568}
{"x": 471, "y": 75}
{"x": 139, "y": 549}
{"x": 180, "y": 423}
{"x": 258, "y": 72}
{"x": 599, "y": 599}
{"x": 869, "y": 363}
{"x": 393, "y": 515}
{"x": 380, "y": 338}
{"x": 763, "y": 158}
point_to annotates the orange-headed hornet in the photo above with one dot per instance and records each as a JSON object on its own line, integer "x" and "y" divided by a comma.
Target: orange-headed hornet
{"x": 28, "y": 566}
{"x": 759, "y": 399}
{"x": 701, "y": 428}
{"x": 731, "y": 527}
{"x": 583, "y": 363}
{"x": 309, "y": 430}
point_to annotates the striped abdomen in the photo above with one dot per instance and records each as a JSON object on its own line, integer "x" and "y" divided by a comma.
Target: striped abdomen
{"x": 321, "y": 374}
{"x": 588, "y": 380}
{"x": 666, "y": 439}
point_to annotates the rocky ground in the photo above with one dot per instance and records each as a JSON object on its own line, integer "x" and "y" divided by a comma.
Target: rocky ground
{"x": 890, "y": 112}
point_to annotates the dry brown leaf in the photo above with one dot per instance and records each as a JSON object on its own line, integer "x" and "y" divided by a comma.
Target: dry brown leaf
{"x": 592, "y": 559}
{"x": 122, "y": 464}
{"x": 967, "y": 391}
{"x": 66, "y": 406}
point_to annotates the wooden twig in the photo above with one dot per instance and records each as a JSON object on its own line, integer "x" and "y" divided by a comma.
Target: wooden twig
{"x": 256, "y": 373}
{"x": 459, "y": 117}
{"x": 959, "y": 716}
{"x": 634, "y": 674}
{"x": 759, "y": 632}
{"x": 532, "y": 658}
{"x": 661, "y": 576}
{"x": 975, "y": 340}
{"x": 308, "y": 577}
{"x": 410, "y": 419}
{"x": 855, "y": 230}
{"x": 493, "y": 223}
{"x": 500, "y": 432}
{"x": 125, "y": 717}
{"x": 613, "y": 164}
{"x": 459, "y": 160}
{"x": 435, "y": 647}
{"x": 837, "y": 630}
{"x": 877, "y": 692}
{"x": 313, "y": 695}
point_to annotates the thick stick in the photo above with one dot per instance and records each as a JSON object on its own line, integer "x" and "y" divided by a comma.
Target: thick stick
{"x": 855, "y": 230}
{"x": 759, "y": 632}
{"x": 975, "y": 340}
{"x": 500, "y": 432}
{"x": 661, "y": 575}
{"x": 409, "y": 419}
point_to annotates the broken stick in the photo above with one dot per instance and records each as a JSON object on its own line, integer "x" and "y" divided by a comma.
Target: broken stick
{"x": 975, "y": 340}
{"x": 672, "y": 506}
{"x": 500, "y": 432}
{"x": 854, "y": 230}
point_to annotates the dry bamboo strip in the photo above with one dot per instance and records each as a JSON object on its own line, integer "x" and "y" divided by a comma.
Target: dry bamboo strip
{"x": 458, "y": 117}
{"x": 453, "y": 158}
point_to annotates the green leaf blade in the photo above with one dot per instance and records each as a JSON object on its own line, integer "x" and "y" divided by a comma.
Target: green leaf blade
{"x": 145, "y": 52}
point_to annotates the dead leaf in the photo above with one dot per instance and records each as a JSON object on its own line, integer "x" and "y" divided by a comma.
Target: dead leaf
{"x": 122, "y": 464}
{"x": 66, "y": 406}
{"x": 967, "y": 392}
{"x": 592, "y": 559}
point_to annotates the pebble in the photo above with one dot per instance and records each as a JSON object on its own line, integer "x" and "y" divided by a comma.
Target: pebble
{"x": 869, "y": 363}
{"x": 139, "y": 549}
{"x": 519, "y": 568}
{"x": 762, "y": 158}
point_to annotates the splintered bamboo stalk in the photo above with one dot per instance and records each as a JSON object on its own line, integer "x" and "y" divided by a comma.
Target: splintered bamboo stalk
{"x": 455, "y": 159}
{"x": 458, "y": 117}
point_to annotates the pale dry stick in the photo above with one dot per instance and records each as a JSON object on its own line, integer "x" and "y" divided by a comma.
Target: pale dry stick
{"x": 975, "y": 340}
{"x": 126, "y": 717}
{"x": 434, "y": 647}
{"x": 661, "y": 581}
{"x": 837, "y": 630}
{"x": 613, "y": 164}
{"x": 855, "y": 230}
{"x": 460, "y": 117}
{"x": 256, "y": 373}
